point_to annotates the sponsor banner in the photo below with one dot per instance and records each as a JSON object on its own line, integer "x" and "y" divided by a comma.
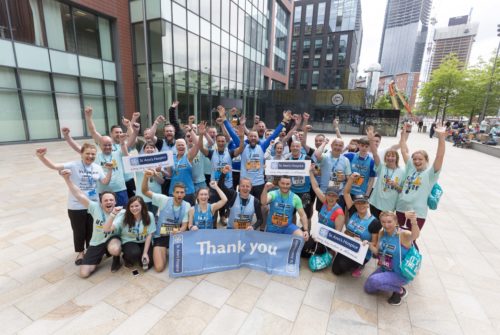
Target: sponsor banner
{"x": 143, "y": 162}
{"x": 204, "y": 251}
{"x": 339, "y": 242}
{"x": 288, "y": 168}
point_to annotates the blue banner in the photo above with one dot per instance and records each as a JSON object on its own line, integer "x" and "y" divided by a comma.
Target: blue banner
{"x": 204, "y": 251}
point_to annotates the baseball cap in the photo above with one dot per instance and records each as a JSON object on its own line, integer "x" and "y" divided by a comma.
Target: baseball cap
{"x": 360, "y": 198}
{"x": 332, "y": 190}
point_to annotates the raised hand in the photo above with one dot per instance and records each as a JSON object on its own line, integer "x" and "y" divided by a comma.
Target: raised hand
{"x": 309, "y": 127}
{"x": 160, "y": 119}
{"x": 123, "y": 137}
{"x": 441, "y": 131}
{"x": 243, "y": 119}
{"x": 370, "y": 132}
{"x": 149, "y": 173}
{"x": 116, "y": 210}
{"x": 226, "y": 169}
{"x": 241, "y": 130}
{"x": 268, "y": 186}
{"x": 219, "y": 121}
{"x": 135, "y": 116}
{"x": 306, "y": 117}
{"x": 88, "y": 111}
{"x": 40, "y": 152}
{"x": 222, "y": 111}
{"x": 65, "y": 131}
{"x": 213, "y": 184}
{"x": 66, "y": 173}
{"x": 126, "y": 122}
{"x": 287, "y": 115}
{"x": 335, "y": 123}
{"x": 191, "y": 119}
{"x": 136, "y": 126}
{"x": 175, "y": 104}
{"x": 202, "y": 127}
{"x": 256, "y": 119}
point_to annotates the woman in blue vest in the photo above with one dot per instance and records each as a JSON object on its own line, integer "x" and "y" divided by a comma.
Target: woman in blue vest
{"x": 182, "y": 170}
{"x": 361, "y": 225}
{"x": 201, "y": 216}
{"x": 393, "y": 244}
{"x": 331, "y": 214}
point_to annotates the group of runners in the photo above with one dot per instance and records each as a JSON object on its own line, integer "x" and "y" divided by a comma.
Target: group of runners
{"x": 218, "y": 176}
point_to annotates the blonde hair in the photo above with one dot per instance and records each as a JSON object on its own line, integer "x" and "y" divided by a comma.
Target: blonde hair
{"x": 392, "y": 152}
{"x": 423, "y": 153}
{"x": 86, "y": 146}
{"x": 388, "y": 213}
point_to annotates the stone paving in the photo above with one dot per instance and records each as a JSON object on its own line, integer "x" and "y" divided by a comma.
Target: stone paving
{"x": 457, "y": 290}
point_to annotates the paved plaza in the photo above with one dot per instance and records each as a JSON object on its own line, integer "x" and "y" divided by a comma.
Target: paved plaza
{"x": 457, "y": 290}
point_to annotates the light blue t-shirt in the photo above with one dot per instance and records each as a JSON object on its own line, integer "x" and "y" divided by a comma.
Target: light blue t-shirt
{"x": 329, "y": 166}
{"x": 384, "y": 196}
{"x": 117, "y": 182}
{"x": 100, "y": 217}
{"x": 137, "y": 233}
{"x": 416, "y": 189}
{"x": 86, "y": 178}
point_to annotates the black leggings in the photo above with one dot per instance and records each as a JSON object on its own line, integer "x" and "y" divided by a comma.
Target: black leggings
{"x": 342, "y": 264}
{"x": 81, "y": 224}
{"x": 132, "y": 253}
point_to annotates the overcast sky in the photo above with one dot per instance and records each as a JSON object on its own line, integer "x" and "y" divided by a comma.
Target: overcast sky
{"x": 484, "y": 11}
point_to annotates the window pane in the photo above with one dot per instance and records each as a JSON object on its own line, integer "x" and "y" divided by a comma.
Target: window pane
{"x": 205, "y": 60}
{"x": 31, "y": 80}
{"x": 155, "y": 41}
{"x": 224, "y": 57}
{"x": 215, "y": 12}
{"x": 65, "y": 84}
{"x": 112, "y": 111}
{"x": 225, "y": 16}
{"x": 139, "y": 43}
{"x": 86, "y": 33}
{"x": 60, "y": 30}
{"x": 178, "y": 15}
{"x": 234, "y": 19}
{"x": 167, "y": 43}
{"x": 180, "y": 55}
{"x": 205, "y": 9}
{"x": 109, "y": 88}
{"x": 91, "y": 86}
{"x": 193, "y": 23}
{"x": 26, "y": 20}
{"x": 205, "y": 29}
{"x": 105, "y": 38}
{"x": 194, "y": 52}
{"x": 40, "y": 115}
{"x": 193, "y": 5}
{"x": 98, "y": 114}
{"x": 215, "y": 60}
{"x": 69, "y": 112}
{"x": 11, "y": 127}
{"x": 4, "y": 21}
{"x": 232, "y": 66}
{"x": 7, "y": 78}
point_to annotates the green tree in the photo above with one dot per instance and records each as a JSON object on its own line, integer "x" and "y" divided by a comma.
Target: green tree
{"x": 469, "y": 101}
{"x": 383, "y": 102}
{"x": 440, "y": 93}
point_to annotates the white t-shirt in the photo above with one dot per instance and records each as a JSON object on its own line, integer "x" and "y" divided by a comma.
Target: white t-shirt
{"x": 85, "y": 177}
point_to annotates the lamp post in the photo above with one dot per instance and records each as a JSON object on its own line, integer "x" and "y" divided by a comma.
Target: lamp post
{"x": 490, "y": 84}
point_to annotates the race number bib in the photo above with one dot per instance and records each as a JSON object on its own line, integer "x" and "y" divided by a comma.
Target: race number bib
{"x": 279, "y": 220}
{"x": 253, "y": 165}
{"x": 385, "y": 261}
{"x": 298, "y": 181}
{"x": 166, "y": 229}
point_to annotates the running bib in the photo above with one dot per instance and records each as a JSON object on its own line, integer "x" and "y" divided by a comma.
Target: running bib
{"x": 242, "y": 222}
{"x": 280, "y": 220}
{"x": 253, "y": 165}
{"x": 298, "y": 181}
{"x": 166, "y": 229}
{"x": 385, "y": 261}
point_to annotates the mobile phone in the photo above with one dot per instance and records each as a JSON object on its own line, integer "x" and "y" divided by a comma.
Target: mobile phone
{"x": 135, "y": 273}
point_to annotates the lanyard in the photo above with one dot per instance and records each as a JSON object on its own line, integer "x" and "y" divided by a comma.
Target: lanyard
{"x": 242, "y": 208}
{"x": 336, "y": 163}
{"x": 90, "y": 179}
{"x": 176, "y": 218}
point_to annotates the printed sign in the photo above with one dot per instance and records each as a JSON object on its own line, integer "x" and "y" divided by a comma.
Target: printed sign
{"x": 339, "y": 242}
{"x": 288, "y": 168}
{"x": 147, "y": 161}
{"x": 205, "y": 251}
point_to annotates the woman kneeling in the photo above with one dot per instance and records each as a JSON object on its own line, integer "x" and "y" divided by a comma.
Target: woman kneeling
{"x": 392, "y": 247}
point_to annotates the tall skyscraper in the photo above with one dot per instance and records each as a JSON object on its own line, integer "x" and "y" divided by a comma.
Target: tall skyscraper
{"x": 326, "y": 44}
{"x": 456, "y": 39}
{"x": 404, "y": 35}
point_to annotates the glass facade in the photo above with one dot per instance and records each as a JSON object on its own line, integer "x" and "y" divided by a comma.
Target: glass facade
{"x": 55, "y": 60}
{"x": 326, "y": 44}
{"x": 209, "y": 51}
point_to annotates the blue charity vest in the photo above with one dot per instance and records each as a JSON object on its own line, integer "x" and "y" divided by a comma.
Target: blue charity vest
{"x": 300, "y": 184}
{"x": 363, "y": 168}
{"x": 252, "y": 164}
{"x": 329, "y": 166}
{"x": 389, "y": 253}
{"x": 280, "y": 213}
{"x": 168, "y": 218}
{"x": 197, "y": 168}
{"x": 324, "y": 215}
{"x": 240, "y": 217}
{"x": 182, "y": 172}
{"x": 218, "y": 162}
{"x": 203, "y": 220}
{"x": 357, "y": 227}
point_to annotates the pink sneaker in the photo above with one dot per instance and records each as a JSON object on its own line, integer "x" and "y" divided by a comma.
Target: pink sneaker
{"x": 357, "y": 273}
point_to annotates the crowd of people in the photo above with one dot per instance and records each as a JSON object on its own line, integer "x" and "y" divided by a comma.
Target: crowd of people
{"x": 217, "y": 180}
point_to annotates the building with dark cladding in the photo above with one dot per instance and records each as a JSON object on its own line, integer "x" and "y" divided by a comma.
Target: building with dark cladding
{"x": 326, "y": 44}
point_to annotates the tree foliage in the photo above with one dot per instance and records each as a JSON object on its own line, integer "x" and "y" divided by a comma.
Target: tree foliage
{"x": 383, "y": 102}
{"x": 454, "y": 91}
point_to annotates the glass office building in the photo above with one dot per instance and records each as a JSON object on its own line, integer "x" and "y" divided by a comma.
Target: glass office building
{"x": 326, "y": 44}
{"x": 204, "y": 53}
{"x": 55, "y": 58}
